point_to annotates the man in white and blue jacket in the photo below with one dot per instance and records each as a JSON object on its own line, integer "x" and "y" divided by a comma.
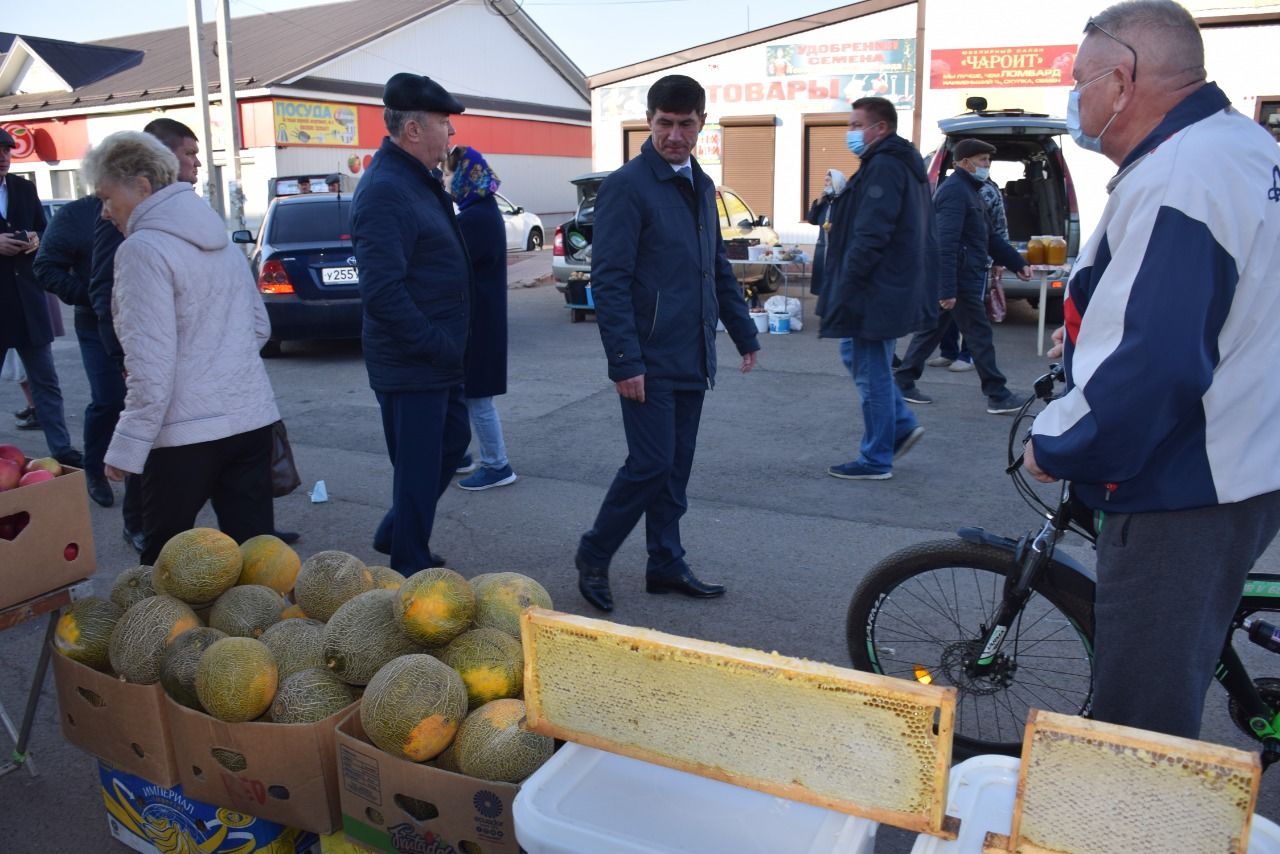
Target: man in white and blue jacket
{"x": 1168, "y": 430}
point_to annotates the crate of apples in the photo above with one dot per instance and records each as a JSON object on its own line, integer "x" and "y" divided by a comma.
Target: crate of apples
{"x": 16, "y": 470}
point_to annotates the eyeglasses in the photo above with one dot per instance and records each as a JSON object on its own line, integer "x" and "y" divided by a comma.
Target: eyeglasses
{"x": 1133, "y": 75}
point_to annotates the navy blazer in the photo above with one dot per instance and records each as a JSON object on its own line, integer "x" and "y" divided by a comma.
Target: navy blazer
{"x": 24, "y": 312}
{"x": 964, "y": 240}
{"x": 415, "y": 275}
{"x": 660, "y": 278}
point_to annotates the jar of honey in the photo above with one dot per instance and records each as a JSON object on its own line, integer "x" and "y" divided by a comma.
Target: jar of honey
{"x": 1036, "y": 250}
{"x": 1056, "y": 250}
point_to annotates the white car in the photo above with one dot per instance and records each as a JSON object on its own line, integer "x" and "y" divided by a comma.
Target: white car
{"x": 524, "y": 229}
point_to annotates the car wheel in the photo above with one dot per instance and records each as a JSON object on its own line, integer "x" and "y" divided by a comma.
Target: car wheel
{"x": 271, "y": 349}
{"x": 577, "y": 315}
{"x": 768, "y": 284}
{"x": 535, "y": 240}
{"x": 1053, "y": 312}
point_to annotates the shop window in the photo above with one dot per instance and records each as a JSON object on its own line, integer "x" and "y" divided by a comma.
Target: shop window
{"x": 65, "y": 183}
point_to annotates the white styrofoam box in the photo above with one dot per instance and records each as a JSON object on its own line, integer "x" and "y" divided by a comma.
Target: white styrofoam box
{"x": 981, "y": 793}
{"x": 584, "y": 801}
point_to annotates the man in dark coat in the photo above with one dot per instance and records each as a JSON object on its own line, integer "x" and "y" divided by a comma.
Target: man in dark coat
{"x": 63, "y": 266}
{"x": 415, "y": 284}
{"x": 25, "y": 324}
{"x": 964, "y": 245}
{"x": 661, "y": 281}
{"x": 881, "y": 280}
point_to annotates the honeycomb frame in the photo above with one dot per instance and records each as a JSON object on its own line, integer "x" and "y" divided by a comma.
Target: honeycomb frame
{"x": 1086, "y": 786}
{"x": 753, "y": 719}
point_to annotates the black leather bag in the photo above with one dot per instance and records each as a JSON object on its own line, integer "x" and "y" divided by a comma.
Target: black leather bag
{"x": 284, "y": 473}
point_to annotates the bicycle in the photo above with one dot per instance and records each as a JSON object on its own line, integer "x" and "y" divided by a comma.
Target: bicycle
{"x": 1009, "y": 623}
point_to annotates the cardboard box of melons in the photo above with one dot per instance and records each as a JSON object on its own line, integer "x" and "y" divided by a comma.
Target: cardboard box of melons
{"x": 46, "y": 539}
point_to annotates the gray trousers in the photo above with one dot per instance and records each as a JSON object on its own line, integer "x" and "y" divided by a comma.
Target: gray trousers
{"x": 1168, "y": 585}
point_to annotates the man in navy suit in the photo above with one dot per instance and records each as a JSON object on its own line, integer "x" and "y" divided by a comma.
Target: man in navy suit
{"x": 661, "y": 281}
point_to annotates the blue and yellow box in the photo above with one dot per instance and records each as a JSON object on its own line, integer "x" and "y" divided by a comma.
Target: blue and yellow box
{"x": 155, "y": 820}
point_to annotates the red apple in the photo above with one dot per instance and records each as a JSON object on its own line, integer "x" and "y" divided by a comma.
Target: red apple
{"x": 70, "y": 552}
{"x": 13, "y": 454}
{"x": 10, "y": 474}
{"x": 35, "y": 476}
{"x": 48, "y": 464}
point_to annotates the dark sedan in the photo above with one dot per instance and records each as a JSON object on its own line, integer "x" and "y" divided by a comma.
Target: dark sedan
{"x": 306, "y": 269}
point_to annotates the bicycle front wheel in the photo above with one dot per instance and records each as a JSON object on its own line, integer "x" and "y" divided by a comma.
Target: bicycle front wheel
{"x": 922, "y": 613}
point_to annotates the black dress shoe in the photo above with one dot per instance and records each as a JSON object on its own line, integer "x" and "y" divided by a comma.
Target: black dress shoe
{"x": 686, "y": 583}
{"x": 100, "y": 491}
{"x": 593, "y": 584}
{"x": 436, "y": 560}
{"x": 71, "y": 457}
{"x": 287, "y": 537}
{"x": 24, "y": 414}
{"x": 135, "y": 539}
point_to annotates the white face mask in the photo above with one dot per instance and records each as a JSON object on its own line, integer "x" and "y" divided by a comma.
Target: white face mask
{"x": 1082, "y": 139}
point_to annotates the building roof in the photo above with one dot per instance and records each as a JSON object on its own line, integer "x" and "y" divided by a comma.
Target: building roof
{"x": 268, "y": 51}
{"x": 747, "y": 39}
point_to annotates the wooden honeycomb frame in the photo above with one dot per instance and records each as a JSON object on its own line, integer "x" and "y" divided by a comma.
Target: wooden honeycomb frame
{"x": 1086, "y": 786}
{"x": 854, "y": 742}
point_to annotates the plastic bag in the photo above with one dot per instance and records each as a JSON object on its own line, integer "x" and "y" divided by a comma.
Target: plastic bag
{"x": 791, "y": 306}
{"x": 995, "y": 301}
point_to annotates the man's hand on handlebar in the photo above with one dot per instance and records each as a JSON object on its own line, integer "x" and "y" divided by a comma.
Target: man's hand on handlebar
{"x": 1029, "y": 463}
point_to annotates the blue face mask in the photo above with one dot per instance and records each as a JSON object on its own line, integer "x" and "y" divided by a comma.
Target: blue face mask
{"x": 1082, "y": 139}
{"x": 982, "y": 173}
{"x": 856, "y": 141}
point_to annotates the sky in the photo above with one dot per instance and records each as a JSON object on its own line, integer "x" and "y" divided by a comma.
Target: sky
{"x": 598, "y": 35}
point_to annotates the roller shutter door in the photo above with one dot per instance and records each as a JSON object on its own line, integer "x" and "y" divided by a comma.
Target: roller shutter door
{"x": 633, "y": 140}
{"x": 825, "y": 149}
{"x": 748, "y": 164}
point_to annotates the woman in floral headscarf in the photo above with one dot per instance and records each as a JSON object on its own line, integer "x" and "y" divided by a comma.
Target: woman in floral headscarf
{"x": 473, "y": 186}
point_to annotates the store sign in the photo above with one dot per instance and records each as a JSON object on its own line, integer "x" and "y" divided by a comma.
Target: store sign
{"x": 24, "y": 140}
{"x": 884, "y": 55}
{"x": 1000, "y": 67}
{"x": 315, "y": 123}
{"x": 710, "y": 145}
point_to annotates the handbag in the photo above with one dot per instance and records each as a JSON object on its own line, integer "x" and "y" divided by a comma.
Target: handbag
{"x": 284, "y": 473}
{"x": 995, "y": 301}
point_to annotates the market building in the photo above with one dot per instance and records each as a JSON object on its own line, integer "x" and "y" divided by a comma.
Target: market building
{"x": 778, "y": 97}
{"x": 308, "y": 85}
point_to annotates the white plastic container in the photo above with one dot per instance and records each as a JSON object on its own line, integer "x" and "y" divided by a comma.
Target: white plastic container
{"x": 761, "y": 320}
{"x": 586, "y": 801}
{"x": 779, "y": 323}
{"x": 981, "y": 792}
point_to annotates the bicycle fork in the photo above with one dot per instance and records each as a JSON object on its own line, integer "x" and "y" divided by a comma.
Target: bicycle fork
{"x": 1262, "y": 719}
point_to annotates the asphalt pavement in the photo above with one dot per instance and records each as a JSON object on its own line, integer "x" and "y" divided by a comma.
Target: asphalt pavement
{"x": 790, "y": 542}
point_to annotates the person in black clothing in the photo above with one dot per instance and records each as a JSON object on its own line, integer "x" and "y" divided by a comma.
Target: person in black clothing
{"x": 820, "y": 215}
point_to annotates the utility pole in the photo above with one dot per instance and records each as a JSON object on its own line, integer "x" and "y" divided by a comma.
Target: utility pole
{"x": 231, "y": 115}
{"x": 199, "y": 86}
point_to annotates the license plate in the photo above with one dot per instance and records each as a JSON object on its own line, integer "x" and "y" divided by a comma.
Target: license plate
{"x": 340, "y": 276}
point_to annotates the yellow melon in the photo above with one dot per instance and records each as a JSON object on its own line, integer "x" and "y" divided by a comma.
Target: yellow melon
{"x": 413, "y": 706}
{"x": 236, "y": 679}
{"x": 490, "y": 662}
{"x": 296, "y": 645}
{"x": 180, "y": 662}
{"x": 84, "y": 631}
{"x": 132, "y": 585}
{"x": 268, "y": 560}
{"x": 386, "y": 577}
{"x": 327, "y": 579}
{"x": 309, "y": 696}
{"x": 493, "y": 743}
{"x": 363, "y": 635}
{"x": 197, "y": 565}
{"x": 247, "y": 610}
{"x": 142, "y": 633}
{"x": 501, "y": 597}
{"x": 435, "y": 606}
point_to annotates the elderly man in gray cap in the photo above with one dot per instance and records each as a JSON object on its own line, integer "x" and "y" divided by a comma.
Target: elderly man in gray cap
{"x": 415, "y": 283}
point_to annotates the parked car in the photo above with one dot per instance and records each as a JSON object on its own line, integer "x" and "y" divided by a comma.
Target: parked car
{"x": 571, "y": 246}
{"x": 524, "y": 229}
{"x": 1029, "y": 167}
{"x": 306, "y": 269}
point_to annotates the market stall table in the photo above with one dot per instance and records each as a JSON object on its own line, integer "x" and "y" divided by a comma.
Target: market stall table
{"x": 801, "y": 261}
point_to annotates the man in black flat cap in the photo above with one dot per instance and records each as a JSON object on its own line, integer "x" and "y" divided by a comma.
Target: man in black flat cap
{"x": 415, "y": 282}
{"x": 333, "y": 183}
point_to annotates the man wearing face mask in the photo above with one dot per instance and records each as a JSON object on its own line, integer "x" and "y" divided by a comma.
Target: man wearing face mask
{"x": 880, "y": 281}
{"x": 1167, "y": 429}
{"x": 965, "y": 242}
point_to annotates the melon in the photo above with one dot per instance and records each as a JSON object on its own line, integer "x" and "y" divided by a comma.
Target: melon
{"x": 327, "y": 579}
{"x": 309, "y": 696}
{"x": 268, "y": 560}
{"x": 363, "y": 635}
{"x": 236, "y": 679}
{"x": 448, "y": 761}
{"x": 435, "y": 606}
{"x": 180, "y": 662}
{"x": 501, "y": 598}
{"x": 493, "y": 744}
{"x": 247, "y": 610}
{"x": 197, "y": 565}
{"x": 142, "y": 633}
{"x": 295, "y": 645}
{"x": 84, "y": 631}
{"x": 413, "y": 707}
{"x": 490, "y": 662}
{"x": 386, "y": 577}
{"x": 132, "y": 585}
{"x": 294, "y": 612}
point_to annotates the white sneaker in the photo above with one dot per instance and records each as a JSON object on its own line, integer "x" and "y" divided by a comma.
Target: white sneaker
{"x": 939, "y": 362}
{"x": 959, "y": 366}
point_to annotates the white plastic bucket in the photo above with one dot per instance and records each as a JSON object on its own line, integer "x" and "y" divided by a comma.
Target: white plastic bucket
{"x": 761, "y": 320}
{"x": 779, "y": 323}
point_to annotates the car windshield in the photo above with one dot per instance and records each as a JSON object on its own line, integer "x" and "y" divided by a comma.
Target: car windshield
{"x": 326, "y": 222}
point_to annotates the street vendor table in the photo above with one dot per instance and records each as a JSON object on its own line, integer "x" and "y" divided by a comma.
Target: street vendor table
{"x": 50, "y": 603}
{"x": 1043, "y": 273}
{"x": 801, "y": 261}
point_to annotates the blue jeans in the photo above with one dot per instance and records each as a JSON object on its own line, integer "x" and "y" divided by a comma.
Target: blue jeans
{"x": 47, "y": 396}
{"x": 106, "y": 390}
{"x": 487, "y": 428}
{"x": 886, "y": 418}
